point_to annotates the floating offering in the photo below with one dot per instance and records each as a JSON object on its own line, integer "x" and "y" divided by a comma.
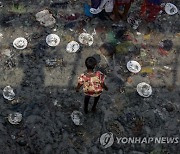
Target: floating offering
{"x": 86, "y": 39}
{"x": 144, "y": 89}
{"x": 20, "y": 43}
{"x": 15, "y": 118}
{"x": 52, "y": 40}
{"x": 72, "y": 47}
{"x": 133, "y": 66}
{"x": 77, "y": 117}
{"x": 45, "y": 18}
{"x": 8, "y": 93}
{"x": 171, "y": 9}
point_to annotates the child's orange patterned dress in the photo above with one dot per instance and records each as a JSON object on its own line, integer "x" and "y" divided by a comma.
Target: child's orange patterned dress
{"x": 92, "y": 86}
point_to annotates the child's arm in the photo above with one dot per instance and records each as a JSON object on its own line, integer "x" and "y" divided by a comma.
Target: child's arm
{"x": 78, "y": 87}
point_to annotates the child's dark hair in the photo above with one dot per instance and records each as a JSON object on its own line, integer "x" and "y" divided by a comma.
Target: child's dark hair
{"x": 90, "y": 62}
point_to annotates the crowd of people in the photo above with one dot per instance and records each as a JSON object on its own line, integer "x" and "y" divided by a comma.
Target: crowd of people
{"x": 118, "y": 9}
{"x": 93, "y": 81}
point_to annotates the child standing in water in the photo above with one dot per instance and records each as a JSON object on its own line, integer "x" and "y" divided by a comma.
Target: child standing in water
{"x": 92, "y": 82}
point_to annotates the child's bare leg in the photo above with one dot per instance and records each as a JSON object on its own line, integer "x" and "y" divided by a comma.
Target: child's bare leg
{"x": 96, "y": 99}
{"x": 86, "y": 102}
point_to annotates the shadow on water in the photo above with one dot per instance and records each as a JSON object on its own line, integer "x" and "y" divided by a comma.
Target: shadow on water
{"x": 38, "y": 99}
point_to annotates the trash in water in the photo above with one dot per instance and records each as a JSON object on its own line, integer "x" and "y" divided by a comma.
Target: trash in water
{"x": 55, "y": 102}
{"x": 51, "y": 62}
{"x": 71, "y": 17}
{"x": 162, "y": 52}
{"x": 147, "y": 70}
{"x": 7, "y": 52}
{"x": 144, "y": 89}
{"x": 45, "y": 18}
{"x": 52, "y": 40}
{"x": 8, "y": 93}
{"x": 107, "y": 49}
{"x": 170, "y": 107}
{"x": 15, "y": 118}
{"x": 171, "y": 9}
{"x": 166, "y": 45}
{"x": 72, "y": 47}
{"x": 133, "y": 21}
{"x": 77, "y": 117}
{"x": 167, "y": 68}
{"x": 86, "y": 39}
{"x": 133, "y": 66}
{"x": 10, "y": 63}
{"x": 107, "y": 139}
{"x": 20, "y": 43}
{"x": 123, "y": 48}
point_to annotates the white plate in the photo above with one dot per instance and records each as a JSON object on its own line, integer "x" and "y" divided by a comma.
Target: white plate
{"x": 133, "y": 66}
{"x": 72, "y": 47}
{"x": 52, "y": 40}
{"x": 8, "y": 93}
{"x": 15, "y": 118}
{"x": 144, "y": 89}
{"x": 77, "y": 117}
{"x": 20, "y": 43}
{"x": 86, "y": 39}
{"x": 171, "y": 9}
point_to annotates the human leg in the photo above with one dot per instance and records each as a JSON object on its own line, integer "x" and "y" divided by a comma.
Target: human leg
{"x": 96, "y": 99}
{"x": 86, "y": 102}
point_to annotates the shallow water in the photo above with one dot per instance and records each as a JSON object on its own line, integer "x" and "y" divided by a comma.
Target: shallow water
{"x": 47, "y": 127}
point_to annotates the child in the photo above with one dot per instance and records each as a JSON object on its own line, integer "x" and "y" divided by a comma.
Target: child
{"x": 92, "y": 82}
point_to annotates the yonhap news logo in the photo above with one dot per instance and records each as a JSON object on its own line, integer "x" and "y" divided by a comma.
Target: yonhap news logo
{"x": 107, "y": 140}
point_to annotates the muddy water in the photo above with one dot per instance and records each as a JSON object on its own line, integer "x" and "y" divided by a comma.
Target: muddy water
{"x": 47, "y": 126}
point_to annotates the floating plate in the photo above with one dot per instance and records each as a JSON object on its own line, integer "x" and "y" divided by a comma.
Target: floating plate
{"x": 86, "y": 39}
{"x": 133, "y": 66}
{"x": 20, "y": 43}
{"x": 144, "y": 89}
{"x": 77, "y": 117}
{"x": 15, "y": 118}
{"x": 8, "y": 93}
{"x": 52, "y": 40}
{"x": 171, "y": 9}
{"x": 72, "y": 47}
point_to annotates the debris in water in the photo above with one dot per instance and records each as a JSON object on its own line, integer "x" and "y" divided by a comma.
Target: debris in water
{"x": 144, "y": 89}
{"x": 8, "y": 93}
{"x": 166, "y": 45}
{"x": 86, "y": 39}
{"x": 133, "y": 66}
{"x": 107, "y": 49}
{"x": 15, "y": 118}
{"x": 20, "y": 43}
{"x": 72, "y": 47}
{"x": 45, "y": 18}
{"x": 171, "y": 9}
{"x": 77, "y": 117}
{"x": 52, "y": 40}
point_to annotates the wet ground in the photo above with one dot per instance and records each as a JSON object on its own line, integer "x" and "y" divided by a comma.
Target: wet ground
{"x": 46, "y": 97}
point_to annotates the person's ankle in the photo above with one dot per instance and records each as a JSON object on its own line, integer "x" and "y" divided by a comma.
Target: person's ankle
{"x": 93, "y": 109}
{"x": 86, "y": 111}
